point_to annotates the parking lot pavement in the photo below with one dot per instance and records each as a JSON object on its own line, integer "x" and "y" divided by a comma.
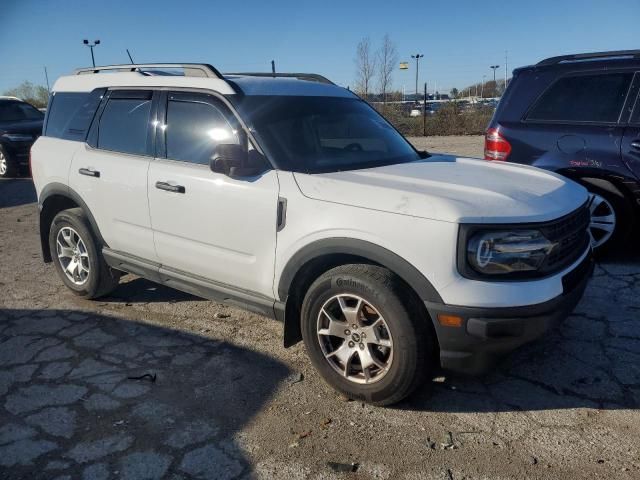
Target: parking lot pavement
{"x": 152, "y": 383}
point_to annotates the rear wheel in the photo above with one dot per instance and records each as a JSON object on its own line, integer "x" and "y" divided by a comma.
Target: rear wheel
{"x": 611, "y": 218}
{"x": 366, "y": 336}
{"x": 76, "y": 256}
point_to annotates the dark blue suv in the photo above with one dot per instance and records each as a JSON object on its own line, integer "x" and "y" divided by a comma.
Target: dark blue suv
{"x": 578, "y": 115}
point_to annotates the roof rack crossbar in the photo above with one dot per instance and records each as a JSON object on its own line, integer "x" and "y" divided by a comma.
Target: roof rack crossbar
{"x": 190, "y": 69}
{"x": 589, "y": 56}
{"x": 314, "y": 77}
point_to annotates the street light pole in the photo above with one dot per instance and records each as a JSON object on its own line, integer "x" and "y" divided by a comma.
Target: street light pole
{"x": 417, "y": 56}
{"x": 482, "y": 89}
{"x": 91, "y": 45}
{"x": 494, "y": 68}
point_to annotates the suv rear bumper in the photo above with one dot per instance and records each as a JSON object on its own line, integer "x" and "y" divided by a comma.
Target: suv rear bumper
{"x": 488, "y": 333}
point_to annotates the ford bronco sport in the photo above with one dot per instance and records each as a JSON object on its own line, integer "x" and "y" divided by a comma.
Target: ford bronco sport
{"x": 291, "y": 197}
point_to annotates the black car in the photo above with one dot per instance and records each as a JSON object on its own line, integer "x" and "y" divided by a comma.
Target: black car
{"x": 578, "y": 115}
{"x": 20, "y": 126}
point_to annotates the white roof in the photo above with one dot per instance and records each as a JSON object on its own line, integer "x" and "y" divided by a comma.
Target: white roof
{"x": 89, "y": 82}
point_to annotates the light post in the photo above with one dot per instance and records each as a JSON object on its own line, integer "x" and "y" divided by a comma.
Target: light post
{"x": 91, "y": 45}
{"x": 417, "y": 56}
{"x": 482, "y": 89}
{"x": 494, "y": 68}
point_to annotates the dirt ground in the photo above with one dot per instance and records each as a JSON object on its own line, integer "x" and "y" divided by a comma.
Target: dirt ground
{"x": 154, "y": 383}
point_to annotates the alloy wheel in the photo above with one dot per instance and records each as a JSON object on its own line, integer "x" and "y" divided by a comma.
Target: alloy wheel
{"x": 3, "y": 164}
{"x": 73, "y": 255}
{"x": 355, "y": 338}
{"x": 603, "y": 220}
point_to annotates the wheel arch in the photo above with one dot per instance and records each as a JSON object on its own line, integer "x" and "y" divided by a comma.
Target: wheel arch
{"x": 625, "y": 186}
{"x": 314, "y": 259}
{"x": 54, "y": 198}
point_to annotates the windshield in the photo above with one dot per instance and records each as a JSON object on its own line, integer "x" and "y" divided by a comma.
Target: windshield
{"x": 323, "y": 134}
{"x": 18, "y": 112}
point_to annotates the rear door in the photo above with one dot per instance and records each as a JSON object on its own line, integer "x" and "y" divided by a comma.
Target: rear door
{"x": 576, "y": 122}
{"x": 207, "y": 224}
{"x": 110, "y": 171}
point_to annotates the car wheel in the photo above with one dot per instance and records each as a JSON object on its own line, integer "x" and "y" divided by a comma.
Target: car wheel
{"x": 366, "y": 335}
{"x": 7, "y": 168}
{"x": 76, "y": 256}
{"x": 611, "y": 218}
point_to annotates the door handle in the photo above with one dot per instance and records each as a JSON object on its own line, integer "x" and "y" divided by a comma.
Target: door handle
{"x": 635, "y": 144}
{"x": 166, "y": 186}
{"x": 89, "y": 172}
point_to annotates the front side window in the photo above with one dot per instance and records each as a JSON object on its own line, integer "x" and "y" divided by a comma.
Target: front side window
{"x": 124, "y": 125}
{"x": 583, "y": 98}
{"x": 14, "y": 111}
{"x": 323, "y": 134}
{"x": 194, "y": 127}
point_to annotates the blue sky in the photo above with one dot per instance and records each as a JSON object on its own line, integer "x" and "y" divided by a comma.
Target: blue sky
{"x": 459, "y": 39}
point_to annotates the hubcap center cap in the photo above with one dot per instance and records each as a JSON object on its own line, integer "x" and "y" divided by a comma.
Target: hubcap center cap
{"x": 355, "y": 337}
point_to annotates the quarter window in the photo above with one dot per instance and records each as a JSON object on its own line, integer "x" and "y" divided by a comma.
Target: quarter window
{"x": 583, "y": 98}
{"x": 62, "y": 108}
{"x": 194, "y": 128}
{"x": 124, "y": 125}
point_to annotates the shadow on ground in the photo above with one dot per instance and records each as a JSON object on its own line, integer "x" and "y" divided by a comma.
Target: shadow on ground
{"x": 78, "y": 397}
{"x": 16, "y": 191}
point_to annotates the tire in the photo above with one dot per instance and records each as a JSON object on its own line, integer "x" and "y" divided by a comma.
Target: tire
{"x": 402, "y": 342}
{"x": 70, "y": 230}
{"x": 7, "y": 167}
{"x": 608, "y": 204}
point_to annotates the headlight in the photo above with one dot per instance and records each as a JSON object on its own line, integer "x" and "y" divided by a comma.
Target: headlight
{"x": 507, "y": 251}
{"x": 18, "y": 137}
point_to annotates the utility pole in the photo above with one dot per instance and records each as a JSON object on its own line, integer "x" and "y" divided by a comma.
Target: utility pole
{"x": 273, "y": 68}
{"x": 506, "y": 68}
{"x": 91, "y": 45}
{"x": 494, "y": 68}
{"x": 417, "y": 56}
{"x": 424, "y": 112}
{"x": 482, "y": 89}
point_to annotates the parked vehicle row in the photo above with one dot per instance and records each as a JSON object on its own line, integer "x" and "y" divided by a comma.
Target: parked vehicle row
{"x": 291, "y": 197}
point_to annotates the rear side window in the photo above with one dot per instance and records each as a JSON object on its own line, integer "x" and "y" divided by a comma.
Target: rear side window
{"x": 62, "y": 109}
{"x": 194, "y": 128}
{"x": 18, "y": 112}
{"x": 583, "y": 98}
{"x": 124, "y": 125}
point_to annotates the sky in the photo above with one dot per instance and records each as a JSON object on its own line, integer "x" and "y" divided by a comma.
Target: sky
{"x": 459, "y": 39}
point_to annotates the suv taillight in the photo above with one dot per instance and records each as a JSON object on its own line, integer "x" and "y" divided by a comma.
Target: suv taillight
{"x": 496, "y": 147}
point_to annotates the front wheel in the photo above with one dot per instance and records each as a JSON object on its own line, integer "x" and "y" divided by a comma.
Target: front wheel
{"x": 7, "y": 167}
{"x": 366, "y": 335}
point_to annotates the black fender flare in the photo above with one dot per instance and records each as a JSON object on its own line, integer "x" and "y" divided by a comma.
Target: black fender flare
{"x": 350, "y": 247}
{"x": 59, "y": 189}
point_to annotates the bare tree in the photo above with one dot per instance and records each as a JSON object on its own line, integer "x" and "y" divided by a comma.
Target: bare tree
{"x": 365, "y": 67}
{"x": 36, "y": 95}
{"x": 387, "y": 57}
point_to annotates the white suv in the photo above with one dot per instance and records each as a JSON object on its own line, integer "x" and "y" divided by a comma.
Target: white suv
{"x": 291, "y": 197}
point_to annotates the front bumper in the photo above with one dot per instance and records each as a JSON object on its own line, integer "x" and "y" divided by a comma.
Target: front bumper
{"x": 488, "y": 333}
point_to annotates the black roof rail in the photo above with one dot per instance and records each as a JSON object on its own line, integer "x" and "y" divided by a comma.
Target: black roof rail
{"x": 582, "y": 57}
{"x": 313, "y": 77}
{"x": 190, "y": 69}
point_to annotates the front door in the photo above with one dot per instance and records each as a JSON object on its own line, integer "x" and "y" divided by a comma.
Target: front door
{"x": 207, "y": 224}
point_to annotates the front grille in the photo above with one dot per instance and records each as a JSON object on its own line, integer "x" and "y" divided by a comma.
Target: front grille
{"x": 571, "y": 236}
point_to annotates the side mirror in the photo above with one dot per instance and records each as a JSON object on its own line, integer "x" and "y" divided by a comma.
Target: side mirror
{"x": 234, "y": 160}
{"x": 227, "y": 157}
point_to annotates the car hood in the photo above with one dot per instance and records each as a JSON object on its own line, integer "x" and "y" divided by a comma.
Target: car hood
{"x": 32, "y": 127}
{"x": 451, "y": 189}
